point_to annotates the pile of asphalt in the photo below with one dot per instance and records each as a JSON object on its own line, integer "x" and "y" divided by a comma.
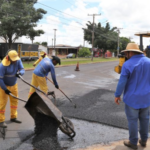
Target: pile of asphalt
{"x": 97, "y": 106}
{"x": 45, "y": 133}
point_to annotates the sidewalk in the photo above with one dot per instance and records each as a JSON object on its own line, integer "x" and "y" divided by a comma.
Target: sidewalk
{"x": 115, "y": 146}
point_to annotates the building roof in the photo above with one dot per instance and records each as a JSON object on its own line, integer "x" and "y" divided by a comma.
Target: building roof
{"x": 144, "y": 34}
{"x": 63, "y": 46}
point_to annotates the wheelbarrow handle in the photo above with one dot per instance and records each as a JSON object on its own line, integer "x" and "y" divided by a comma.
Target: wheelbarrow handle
{"x": 17, "y": 98}
{"x": 30, "y": 84}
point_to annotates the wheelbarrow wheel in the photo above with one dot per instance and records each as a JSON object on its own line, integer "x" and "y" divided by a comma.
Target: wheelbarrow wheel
{"x": 64, "y": 126}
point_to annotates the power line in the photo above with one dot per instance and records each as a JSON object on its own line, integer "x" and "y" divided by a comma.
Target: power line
{"x": 60, "y": 11}
{"x": 69, "y": 2}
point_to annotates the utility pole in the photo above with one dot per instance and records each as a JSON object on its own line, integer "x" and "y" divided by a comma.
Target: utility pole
{"x": 52, "y": 43}
{"x": 118, "y": 30}
{"x": 55, "y": 41}
{"x": 83, "y": 43}
{"x": 93, "y": 33}
{"x": 130, "y": 38}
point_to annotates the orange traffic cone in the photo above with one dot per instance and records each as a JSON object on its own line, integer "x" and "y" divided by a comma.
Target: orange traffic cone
{"x": 77, "y": 67}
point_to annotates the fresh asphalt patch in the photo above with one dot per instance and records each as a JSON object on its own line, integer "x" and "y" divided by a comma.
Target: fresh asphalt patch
{"x": 97, "y": 106}
{"x": 45, "y": 133}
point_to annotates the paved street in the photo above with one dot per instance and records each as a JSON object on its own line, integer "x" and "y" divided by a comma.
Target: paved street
{"x": 97, "y": 120}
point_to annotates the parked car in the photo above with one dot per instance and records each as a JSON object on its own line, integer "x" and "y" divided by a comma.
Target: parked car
{"x": 69, "y": 55}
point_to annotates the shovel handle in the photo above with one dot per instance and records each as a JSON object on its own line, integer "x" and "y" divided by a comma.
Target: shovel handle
{"x": 31, "y": 85}
{"x": 63, "y": 93}
{"x": 17, "y": 98}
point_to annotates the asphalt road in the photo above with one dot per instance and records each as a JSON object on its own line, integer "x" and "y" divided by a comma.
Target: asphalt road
{"x": 92, "y": 89}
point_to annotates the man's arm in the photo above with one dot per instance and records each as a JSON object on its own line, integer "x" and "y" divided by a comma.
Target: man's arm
{"x": 35, "y": 63}
{"x": 2, "y": 73}
{"x": 21, "y": 68}
{"x": 120, "y": 88}
{"x": 53, "y": 76}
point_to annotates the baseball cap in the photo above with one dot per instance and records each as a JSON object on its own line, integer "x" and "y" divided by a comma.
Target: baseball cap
{"x": 13, "y": 55}
{"x": 42, "y": 53}
{"x": 57, "y": 59}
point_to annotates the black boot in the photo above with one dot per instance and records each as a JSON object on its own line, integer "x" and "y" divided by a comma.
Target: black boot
{"x": 15, "y": 120}
{"x": 3, "y": 125}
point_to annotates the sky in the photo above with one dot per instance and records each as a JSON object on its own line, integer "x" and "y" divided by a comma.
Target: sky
{"x": 70, "y": 16}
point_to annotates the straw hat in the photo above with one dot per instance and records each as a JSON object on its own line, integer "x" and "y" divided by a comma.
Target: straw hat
{"x": 132, "y": 47}
{"x": 13, "y": 55}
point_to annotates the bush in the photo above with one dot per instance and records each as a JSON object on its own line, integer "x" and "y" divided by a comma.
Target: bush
{"x": 74, "y": 56}
{"x": 84, "y": 52}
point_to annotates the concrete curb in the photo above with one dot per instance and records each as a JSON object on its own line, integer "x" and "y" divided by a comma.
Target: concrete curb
{"x": 118, "y": 145}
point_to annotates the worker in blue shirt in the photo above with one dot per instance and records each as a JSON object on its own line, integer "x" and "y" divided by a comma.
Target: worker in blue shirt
{"x": 41, "y": 71}
{"x": 10, "y": 68}
{"x": 135, "y": 82}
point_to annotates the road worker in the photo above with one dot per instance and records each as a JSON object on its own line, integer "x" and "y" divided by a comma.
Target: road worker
{"x": 10, "y": 68}
{"x": 134, "y": 83}
{"x": 42, "y": 55}
{"x": 40, "y": 73}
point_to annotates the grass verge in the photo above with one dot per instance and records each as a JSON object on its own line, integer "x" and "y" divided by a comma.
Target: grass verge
{"x": 28, "y": 65}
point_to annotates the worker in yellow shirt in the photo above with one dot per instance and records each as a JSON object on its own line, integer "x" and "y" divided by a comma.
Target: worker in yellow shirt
{"x": 43, "y": 55}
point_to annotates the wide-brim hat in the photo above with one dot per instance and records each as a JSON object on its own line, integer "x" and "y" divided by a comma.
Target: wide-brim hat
{"x": 13, "y": 55}
{"x": 132, "y": 47}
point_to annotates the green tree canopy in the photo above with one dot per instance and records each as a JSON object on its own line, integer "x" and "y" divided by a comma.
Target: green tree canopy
{"x": 123, "y": 42}
{"x": 18, "y": 18}
{"x": 38, "y": 43}
{"x": 44, "y": 43}
{"x": 104, "y": 37}
{"x": 33, "y": 33}
{"x": 84, "y": 52}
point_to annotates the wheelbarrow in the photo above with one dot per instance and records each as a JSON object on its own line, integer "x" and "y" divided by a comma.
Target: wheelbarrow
{"x": 39, "y": 102}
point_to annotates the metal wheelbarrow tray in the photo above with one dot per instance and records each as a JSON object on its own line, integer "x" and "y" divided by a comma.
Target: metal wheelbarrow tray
{"x": 40, "y": 103}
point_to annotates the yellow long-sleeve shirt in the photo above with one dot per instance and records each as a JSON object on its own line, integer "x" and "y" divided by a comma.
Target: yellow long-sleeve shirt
{"x": 37, "y": 61}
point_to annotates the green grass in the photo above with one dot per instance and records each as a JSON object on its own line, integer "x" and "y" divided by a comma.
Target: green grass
{"x": 73, "y": 61}
{"x": 86, "y": 60}
{"x": 28, "y": 65}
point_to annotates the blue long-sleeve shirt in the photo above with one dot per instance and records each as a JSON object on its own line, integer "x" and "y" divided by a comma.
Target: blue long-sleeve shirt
{"x": 44, "y": 67}
{"x": 8, "y": 74}
{"x": 121, "y": 85}
{"x": 136, "y": 86}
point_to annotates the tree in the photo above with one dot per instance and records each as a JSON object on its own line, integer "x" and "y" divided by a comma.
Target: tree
{"x": 84, "y": 52}
{"x": 104, "y": 37}
{"x": 33, "y": 33}
{"x": 44, "y": 43}
{"x": 18, "y": 18}
{"x": 123, "y": 42}
{"x": 38, "y": 43}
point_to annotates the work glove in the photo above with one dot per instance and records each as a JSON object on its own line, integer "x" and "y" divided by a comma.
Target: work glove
{"x": 7, "y": 91}
{"x": 56, "y": 86}
{"x": 18, "y": 74}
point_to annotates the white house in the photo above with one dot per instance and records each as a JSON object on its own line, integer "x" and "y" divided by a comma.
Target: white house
{"x": 42, "y": 48}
